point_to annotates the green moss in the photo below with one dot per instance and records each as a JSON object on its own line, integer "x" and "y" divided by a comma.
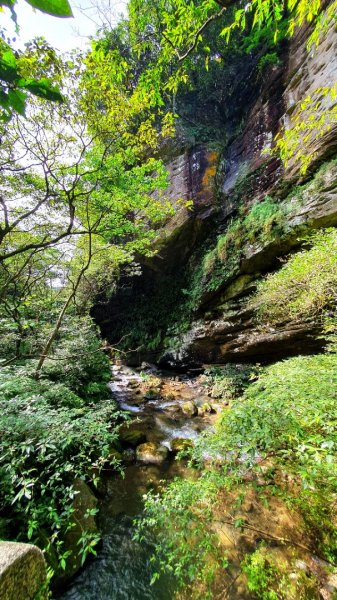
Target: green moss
{"x": 265, "y": 221}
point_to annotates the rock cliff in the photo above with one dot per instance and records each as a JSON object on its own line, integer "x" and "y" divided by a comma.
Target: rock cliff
{"x": 191, "y": 303}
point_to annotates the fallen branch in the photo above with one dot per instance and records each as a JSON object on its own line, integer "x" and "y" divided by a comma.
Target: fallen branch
{"x": 281, "y": 540}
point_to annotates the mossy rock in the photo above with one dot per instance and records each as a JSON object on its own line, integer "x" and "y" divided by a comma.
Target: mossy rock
{"x": 131, "y": 437}
{"x": 189, "y": 409}
{"x": 180, "y": 445}
{"x": 23, "y": 573}
{"x": 152, "y": 394}
{"x": 206, "y": 408}
{"x": 151, "y": 453}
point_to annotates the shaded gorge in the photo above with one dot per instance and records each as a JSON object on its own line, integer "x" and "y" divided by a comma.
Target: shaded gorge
{"x": 167, "y": 411}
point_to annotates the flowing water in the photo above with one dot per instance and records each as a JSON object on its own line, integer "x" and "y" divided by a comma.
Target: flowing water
{"x": 122, "y": 569}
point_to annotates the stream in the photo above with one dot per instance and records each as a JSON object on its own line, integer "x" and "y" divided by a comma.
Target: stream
{"x": 157, "y": 403}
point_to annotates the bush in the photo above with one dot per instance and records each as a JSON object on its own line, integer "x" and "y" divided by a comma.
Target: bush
{"x": 261, "y": 575}
{"x": 305, "y": 286}
{"x": 78, "y": 360}
{"x": 16, "y": 383}
{"x": 228, "y": 381}
{"x": 288, "y": 416}
{"x": 48, "y": 438}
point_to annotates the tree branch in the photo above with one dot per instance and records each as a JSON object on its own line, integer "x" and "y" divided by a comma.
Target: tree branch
{"x": 182, "y": 57}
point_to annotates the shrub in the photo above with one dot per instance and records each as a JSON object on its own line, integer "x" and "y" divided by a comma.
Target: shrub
{"x": 228, "y": 381}
{"x": 78, "y": 360}
{"x": 47, "y": 439}
{"x": 304, "y": 286}
{"x": 261, "y": 575}
{"x": 288, "y": 415}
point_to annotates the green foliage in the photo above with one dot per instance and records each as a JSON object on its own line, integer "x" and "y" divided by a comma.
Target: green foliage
{"x": 278, "y": 415}
{"x": 187, "y": 549}
{"x": 78, "y": 360}
{"x": 228, "y": 381}
{"x": 56, "y": 8}
{"x": 269, "y": 578}
{"x": 48, "y": 438}
{"x": 270, "y": 59}
{"x": 313, "y": 118}
{"x": 54, "y": 430}
{"x": 305, "y": 286}
{"x": 261, "y": 576}
{"x": 14, "y": 85}
{"x": 287, "y": 414}
{"x": 181, "y": 32}
{"x": 187, "y": 42}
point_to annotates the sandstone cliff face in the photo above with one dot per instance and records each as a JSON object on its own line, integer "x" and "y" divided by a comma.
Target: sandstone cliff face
{"x": 221, "y": 326}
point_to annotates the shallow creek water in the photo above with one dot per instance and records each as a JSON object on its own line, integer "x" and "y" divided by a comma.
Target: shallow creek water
{"x": 121, "y": 570}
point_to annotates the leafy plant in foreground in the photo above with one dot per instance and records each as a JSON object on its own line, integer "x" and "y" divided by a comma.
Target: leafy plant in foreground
{"x": 287, "y": 416}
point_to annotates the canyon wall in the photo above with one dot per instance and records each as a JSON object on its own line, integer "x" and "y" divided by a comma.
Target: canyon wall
{"x": 189, "y": 306}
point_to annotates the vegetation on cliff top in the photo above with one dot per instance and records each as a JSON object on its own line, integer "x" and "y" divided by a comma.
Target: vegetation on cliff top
{"x": 305, "y": 286}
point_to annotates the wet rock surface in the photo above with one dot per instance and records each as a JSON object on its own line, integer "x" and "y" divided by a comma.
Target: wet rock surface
{"x": 151, "y": 453}
{"x": 161, "y": 408}
{"x": 154, "y": 402}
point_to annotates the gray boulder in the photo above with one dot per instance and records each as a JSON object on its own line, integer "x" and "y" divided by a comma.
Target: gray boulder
{"x": 23, "y": 572}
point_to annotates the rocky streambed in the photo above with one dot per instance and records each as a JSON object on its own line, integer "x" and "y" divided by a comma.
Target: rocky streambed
{"x": 167, "y": 413}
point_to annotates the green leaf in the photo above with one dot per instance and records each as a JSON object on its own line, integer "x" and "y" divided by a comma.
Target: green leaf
{"x": 42, "y": 88}
{"x": 57, "y": 8}
{"x": 17, "y": 101}
{"x": 8, "y": 58}
{"x": 8, "y": 68}
{"x": 4, "y": 101}
{"x": 8, "y": 3}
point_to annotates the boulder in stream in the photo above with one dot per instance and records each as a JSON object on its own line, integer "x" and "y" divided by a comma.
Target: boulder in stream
{"x": 189, "y": 409}
{"x": 206, "y": 408}
{"x": 151, "y": 453}
{"x": 180, "y": 444}
{"x": 131, "y": 437}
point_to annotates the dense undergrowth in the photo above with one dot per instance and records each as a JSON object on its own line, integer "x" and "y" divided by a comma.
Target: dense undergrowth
{"x": 283, "y": 431}
{"x": 305, "y": 286}
{"x": 53, "y": 430}
{"x": 277, "y": 440}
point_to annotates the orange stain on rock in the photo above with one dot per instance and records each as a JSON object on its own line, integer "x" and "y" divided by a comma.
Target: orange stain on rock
{"x": 210, "y": 171}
